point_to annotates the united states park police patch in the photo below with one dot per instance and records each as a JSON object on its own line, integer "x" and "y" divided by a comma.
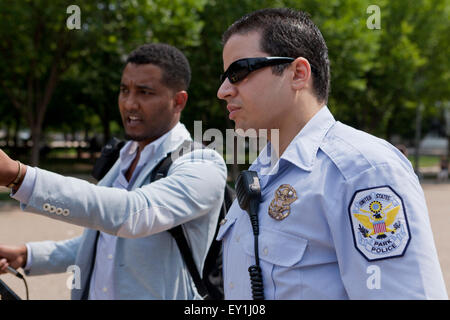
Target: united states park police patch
{"x": 379, "y": 223}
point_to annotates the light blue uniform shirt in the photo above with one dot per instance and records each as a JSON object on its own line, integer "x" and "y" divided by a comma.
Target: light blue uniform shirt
{"x": 352, "y": 222}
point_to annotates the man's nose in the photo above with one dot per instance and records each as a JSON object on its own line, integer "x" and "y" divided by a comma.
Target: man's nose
{"x": 130, "y": 102}
{"x": 226, "y": 90}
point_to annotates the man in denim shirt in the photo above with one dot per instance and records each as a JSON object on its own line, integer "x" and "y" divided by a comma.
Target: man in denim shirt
{"x": 126, "y": 251}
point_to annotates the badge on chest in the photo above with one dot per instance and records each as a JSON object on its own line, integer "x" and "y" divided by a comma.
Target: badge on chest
{"x": 280, "y": 206}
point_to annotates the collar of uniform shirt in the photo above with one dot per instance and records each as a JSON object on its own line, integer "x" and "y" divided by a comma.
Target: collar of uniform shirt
{"x": 303, "y": 148}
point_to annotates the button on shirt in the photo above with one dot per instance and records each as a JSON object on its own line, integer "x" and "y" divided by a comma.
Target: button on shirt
{"x": 326, "y": 243}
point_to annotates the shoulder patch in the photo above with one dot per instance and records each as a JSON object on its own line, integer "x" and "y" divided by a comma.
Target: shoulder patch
{"x": 379, "y": 224}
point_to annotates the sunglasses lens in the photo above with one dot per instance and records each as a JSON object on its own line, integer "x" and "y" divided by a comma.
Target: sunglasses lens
{"x": 238, "y": 71}
{"x": 238, "y": 75}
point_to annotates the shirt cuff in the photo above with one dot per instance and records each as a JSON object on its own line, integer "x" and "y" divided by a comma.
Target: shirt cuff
{"x": 29, "y": 262}
{"x": 23, "y": 194}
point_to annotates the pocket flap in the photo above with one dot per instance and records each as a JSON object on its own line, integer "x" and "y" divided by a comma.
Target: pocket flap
{"x": 276, "y": 247}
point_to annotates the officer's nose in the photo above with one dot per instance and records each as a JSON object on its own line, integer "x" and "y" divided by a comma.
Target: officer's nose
{"x": 226, "y": 90}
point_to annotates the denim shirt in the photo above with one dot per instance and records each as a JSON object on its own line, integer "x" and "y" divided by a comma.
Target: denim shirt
{"x": 146, "y": 261}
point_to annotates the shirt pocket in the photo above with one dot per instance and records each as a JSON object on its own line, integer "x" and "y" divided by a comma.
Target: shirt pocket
{"x": 276, "y": 247}
{"x": 280, "y": 257}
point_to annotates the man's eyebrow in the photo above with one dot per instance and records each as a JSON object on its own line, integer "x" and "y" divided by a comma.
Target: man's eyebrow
{"x": 141, "y": 86}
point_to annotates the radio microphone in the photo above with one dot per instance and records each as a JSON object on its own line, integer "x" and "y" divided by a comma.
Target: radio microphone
{"x": 248, "y": 193}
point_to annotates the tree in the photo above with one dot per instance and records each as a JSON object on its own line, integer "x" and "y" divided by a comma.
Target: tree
{"x": 34, "y": 55}
{"x": 41, "y": 48}
{"x": 378, "y": 77}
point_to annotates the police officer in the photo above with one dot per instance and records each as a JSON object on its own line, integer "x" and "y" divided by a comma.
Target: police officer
{"x": 342, "y": 214}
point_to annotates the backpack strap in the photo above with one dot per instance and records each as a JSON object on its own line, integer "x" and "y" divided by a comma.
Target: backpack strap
{"x": 161, "y": 169}
{"x": 186, "y": 253}
{"x": 159, "y": 172}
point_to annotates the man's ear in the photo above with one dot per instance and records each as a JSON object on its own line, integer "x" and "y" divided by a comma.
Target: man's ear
{"x": 302, "y": 73}
{"x": 180, "y": 99}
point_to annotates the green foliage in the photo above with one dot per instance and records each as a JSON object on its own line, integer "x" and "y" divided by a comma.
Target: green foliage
{"x": 40, "y": 52}
{"x": 206, "y": 62}
{"x": 378, "y": 77}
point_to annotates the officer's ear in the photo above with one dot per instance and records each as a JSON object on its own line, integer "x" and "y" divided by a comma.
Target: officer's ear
{"x": 180, "y": 100}
{"x": 301, "y": 73}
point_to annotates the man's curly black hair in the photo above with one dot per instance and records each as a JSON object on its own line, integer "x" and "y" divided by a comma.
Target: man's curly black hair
{"x": 176, "y": 72}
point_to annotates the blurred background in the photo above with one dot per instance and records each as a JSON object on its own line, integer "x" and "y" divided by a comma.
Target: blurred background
{"x": 61, "y": 67}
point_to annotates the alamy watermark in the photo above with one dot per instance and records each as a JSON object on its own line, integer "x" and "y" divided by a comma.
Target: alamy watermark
{"x": 74, "y": 20}
{"x": 239, "y": 146}
{"x": 374, "y": 280}
{"x": 374, "y": 20}
{"x": 74, "y": 280}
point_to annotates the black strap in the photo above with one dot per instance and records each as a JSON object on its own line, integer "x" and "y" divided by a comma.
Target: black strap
{"x": 110, "y": 153}
{"x": 87, "y": 287}
{"x": 161, "y": 169}
{"x": 6, "y": 293}
{"x": 186, "y": 253}
{"x": 159, "y": 172}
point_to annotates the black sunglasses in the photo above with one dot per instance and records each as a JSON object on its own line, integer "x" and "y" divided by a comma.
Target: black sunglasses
{"x": 241, "y": 68}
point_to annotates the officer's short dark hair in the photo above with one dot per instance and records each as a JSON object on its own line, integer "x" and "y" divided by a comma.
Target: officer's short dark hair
{"x": 176, "y": 72}
{"x": 289, "y": 33}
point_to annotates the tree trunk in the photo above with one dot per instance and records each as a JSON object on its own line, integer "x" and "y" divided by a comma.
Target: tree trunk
{"x": 105, "y": 124}
{"x": 16, "y": 133}
{"x": 447, "y": 154}
{"x": 8, "y": 134}
{"x": 36, "y": 132}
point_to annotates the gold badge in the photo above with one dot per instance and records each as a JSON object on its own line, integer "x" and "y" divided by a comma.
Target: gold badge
{"x": 280, "y": 207}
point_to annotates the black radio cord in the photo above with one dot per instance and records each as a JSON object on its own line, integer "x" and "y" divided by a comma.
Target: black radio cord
{"x": 255, "y": 272}
{"x": 20, "y": 276}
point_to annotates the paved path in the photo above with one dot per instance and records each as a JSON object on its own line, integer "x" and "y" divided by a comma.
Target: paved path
{"x": 16, "y": 227}
{"x": 19, "y": 227}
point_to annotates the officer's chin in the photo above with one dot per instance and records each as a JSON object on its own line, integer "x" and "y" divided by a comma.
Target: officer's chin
{"x": 246, "y": 132}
